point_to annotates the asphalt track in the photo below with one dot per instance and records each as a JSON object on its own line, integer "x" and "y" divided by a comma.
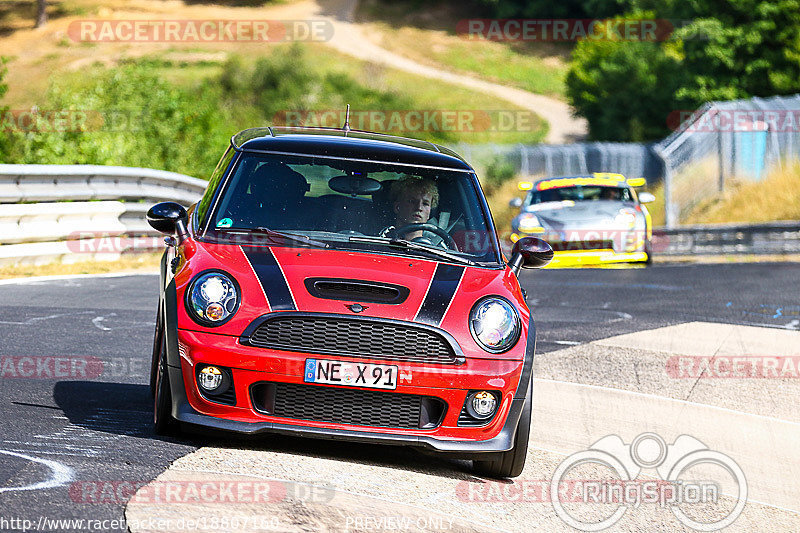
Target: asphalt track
{"x": 83, "y": 419}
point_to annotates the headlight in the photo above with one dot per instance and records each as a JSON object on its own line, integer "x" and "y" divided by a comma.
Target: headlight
{"x": 626, "y": 217}
{"x": 212, "y": 298}
{"x": 530, "y": 223}
{"x": 494, "y": 324}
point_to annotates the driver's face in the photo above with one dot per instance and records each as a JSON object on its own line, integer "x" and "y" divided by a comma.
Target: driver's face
{"x": 413, "y": 208}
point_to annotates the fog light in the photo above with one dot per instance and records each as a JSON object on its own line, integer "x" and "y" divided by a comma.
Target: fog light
{"x": 483, "y": 404}
{"x": 210, "y": 378}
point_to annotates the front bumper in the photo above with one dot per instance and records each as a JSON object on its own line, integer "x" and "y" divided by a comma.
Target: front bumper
{"x": 583, "y": 248}
{"x": 450, "y": 383}
{"x": 594, "y": 257}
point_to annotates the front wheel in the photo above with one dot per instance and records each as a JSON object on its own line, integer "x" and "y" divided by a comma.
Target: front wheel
{"x": 163, "y": 423}
{"x": 511, "y": 463}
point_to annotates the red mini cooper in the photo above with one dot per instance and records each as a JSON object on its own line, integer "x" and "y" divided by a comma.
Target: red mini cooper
{"x": 345, "y": 285}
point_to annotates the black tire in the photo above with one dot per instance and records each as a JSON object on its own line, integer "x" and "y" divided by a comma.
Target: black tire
{"x": 154, "y": 358}
{"x": 648, "y": 249}
{"x": 511, "y": 463}
{"x": 163, "y": 423}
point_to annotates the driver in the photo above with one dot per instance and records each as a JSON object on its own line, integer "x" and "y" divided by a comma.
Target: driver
{"x": 413, "y": 198}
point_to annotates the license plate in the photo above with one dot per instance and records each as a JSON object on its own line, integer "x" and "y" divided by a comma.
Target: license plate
{"x": 352, "y": 374}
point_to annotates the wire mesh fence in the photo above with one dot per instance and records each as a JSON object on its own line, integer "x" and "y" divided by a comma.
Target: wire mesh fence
{"x": 631, "y": 159}
{"x": 722, "y": 142}
{"x": 712, "y": 147}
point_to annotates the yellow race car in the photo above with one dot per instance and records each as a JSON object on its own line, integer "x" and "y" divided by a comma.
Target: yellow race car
{"x": 588, "y": 219}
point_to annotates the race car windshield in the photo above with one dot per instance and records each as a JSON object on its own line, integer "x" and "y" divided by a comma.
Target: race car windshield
{"x": 331, "y": 200}
{"x": 580, "y": 193}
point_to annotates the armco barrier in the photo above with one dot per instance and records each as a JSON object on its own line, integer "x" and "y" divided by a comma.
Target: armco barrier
{"x": 772, "y": 238}
{"x": 74, "y": 213}
{"x": 51, "y": 183}
{"x": 104, "y": 216}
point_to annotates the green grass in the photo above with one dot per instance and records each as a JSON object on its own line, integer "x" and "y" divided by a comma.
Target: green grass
{"x": 776, "y": 197}
{"x": 427, "y": 35}
{"x": 185, "y": 110}
{"x": 136, "y": 262}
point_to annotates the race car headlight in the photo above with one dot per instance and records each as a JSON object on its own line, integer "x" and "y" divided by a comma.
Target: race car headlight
{"x": 626, "y": 217}
{"x": 494, "y": 324}
{"x": 530, "y": 223}
{"x": 212, "y": 298}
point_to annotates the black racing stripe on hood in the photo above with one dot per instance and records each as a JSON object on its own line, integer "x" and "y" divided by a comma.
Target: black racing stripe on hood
{"x": 272, "y": 280}
{"x": 440, "y": 294}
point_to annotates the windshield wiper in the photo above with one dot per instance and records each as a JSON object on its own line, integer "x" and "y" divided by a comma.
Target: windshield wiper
{"x": 412, "y": 245}
{"x": 279, "y": 235}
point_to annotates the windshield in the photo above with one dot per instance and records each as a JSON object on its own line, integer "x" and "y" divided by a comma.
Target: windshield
{"x": 580, "y": 193}
{"x": 338, "y": 202}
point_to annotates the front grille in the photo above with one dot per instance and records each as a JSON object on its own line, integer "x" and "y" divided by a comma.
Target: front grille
{"x": 347, "y": 406}
{"x": 353, "y": 338}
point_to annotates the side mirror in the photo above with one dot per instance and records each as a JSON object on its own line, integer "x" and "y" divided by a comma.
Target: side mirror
{"x": 168, "y": 218}
{"x": 646, "y": 197}
{"x": 515, "y": 202}
{"x": 530, "y": 252}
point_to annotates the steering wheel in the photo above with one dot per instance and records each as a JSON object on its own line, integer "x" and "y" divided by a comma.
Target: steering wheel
{"x": 433, "y": 228}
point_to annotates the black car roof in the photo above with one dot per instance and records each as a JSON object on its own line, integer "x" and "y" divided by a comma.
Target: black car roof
{"x": 350, "y": 144}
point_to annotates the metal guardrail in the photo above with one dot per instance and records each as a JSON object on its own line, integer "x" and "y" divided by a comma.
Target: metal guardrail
{"x": 773, "y": 238}
{"x": 79, "y": 214}
{"x": 51, "y": 183}
{"x": 74, "y": 213}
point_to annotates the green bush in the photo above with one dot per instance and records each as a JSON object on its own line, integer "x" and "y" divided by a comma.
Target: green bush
{"x": 3, "y": 134}
{"x": 149, "y": 122}
{"x": 730, "y": 49}
{"x": 134, "y": 118}
{"x": 564, "y": 9}
{"x": 497, "y": 173}
{"x": 626, "y": 90}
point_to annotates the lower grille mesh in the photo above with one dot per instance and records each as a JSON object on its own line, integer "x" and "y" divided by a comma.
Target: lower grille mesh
{"x": 347, "y": 406}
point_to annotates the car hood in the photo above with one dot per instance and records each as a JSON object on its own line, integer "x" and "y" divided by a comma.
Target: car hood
{"x": 276, "y": 278}
{"x": 559, "y": 214}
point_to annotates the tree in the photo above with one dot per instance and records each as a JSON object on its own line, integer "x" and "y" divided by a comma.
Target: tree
{"x": 625, "y": 90}
{"x": 731, "y": 49}
{"x": 41, "y": 13}
{"x": 741, "y": 49}
{"x": 564, "y": 9}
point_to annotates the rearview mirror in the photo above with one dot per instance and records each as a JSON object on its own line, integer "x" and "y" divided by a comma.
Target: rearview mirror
{"x": 646, "y": 197}
{"x": 168, "y": 218}
{"x": 515, "y": 202}
{"x": 530, "y": 252}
